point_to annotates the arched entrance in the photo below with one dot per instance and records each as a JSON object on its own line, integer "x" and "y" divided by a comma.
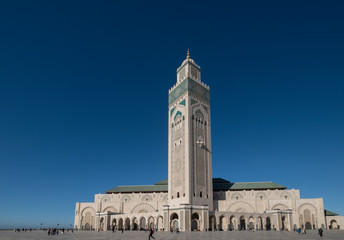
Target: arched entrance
{"x": 101, "y": 224}
{"x": 223, "y": 223}
{"x": 308, "y": 226}
{"x": 212, "y": 223}
{"x": 232, "y": 223}
{"x": 114, "y": 223}
{"x": 251, "y": 223}
{"x": 127, "y": 224}
{"x": 160, "y": 223}
{"x": 151, "y": 222}
{"x": 242, "y": 223}
{"x": 283, "y": 223}
{"x": 135, "y": 226}
{"x": 142, "y": 223}
{"x": 87, "y": 226}
{"x": 195, "y": 222}
{"x": 333, "y": 225}
{"x": 268, "y": 224}
{"x": 174, "y": 224}
{"x": 260, "y": 223}
{"x": 120, "y": 224}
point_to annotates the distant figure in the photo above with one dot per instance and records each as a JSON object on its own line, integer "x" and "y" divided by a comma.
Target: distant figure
{"x": 320, "y": 231}
{"x": 49, "y": 231}
{"x": 122, "y": 230}
{"x": 151, "y": 232}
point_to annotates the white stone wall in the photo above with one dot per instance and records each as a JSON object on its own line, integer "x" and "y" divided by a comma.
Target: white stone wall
{"x": 335, "y": 222}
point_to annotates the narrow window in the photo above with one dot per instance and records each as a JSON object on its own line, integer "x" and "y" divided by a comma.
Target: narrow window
{"x": 200, "y": 194}
{"x": 177, "y": 194}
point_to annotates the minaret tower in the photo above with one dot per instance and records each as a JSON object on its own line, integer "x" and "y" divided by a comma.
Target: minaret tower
{"x": 190, "y": 190}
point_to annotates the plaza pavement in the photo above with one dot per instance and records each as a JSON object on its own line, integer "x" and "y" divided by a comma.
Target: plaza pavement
{"x": 138, "y": 235}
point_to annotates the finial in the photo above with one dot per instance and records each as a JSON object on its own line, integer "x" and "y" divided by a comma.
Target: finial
{"x": 188, "y": 55}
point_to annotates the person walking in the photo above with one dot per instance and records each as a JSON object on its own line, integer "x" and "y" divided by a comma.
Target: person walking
{"x": 151, "y": 232}
{"x": 320, "y": 231}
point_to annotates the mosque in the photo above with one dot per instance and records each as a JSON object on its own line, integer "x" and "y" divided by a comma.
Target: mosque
{"x": 191, "y": 200}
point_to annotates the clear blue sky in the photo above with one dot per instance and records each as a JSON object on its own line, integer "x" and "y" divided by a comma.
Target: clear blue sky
{"x": 84, "y": 97}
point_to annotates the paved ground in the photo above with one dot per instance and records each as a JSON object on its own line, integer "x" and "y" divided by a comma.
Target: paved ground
{"x": 244, "y": 235}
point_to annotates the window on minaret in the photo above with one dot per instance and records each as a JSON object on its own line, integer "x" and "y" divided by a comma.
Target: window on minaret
{"x": 200, "y": 194}
{"x": 177, "y": 194}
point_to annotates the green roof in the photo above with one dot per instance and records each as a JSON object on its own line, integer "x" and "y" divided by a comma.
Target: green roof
{"x": 219, "y": 184}
{"x": 329, "y": 213}
{"x": 139, "y": 188}
{"x": 162, "y": 182}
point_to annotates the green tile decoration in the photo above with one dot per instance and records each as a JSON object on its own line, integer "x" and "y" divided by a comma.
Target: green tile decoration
{"x": 172, "y": 110}
{"x": 178, "y": 113}
{"x": 189, "y": 85}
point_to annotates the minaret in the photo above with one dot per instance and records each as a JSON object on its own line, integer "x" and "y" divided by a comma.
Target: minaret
{"x": 189, "y": 148}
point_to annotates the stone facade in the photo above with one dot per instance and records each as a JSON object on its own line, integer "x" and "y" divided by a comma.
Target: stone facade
{"x": 191, "y": 199}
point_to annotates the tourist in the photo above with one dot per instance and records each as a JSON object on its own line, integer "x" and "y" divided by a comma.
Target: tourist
{"x": 320, "y": 231}
{"x": 151, "y": 232}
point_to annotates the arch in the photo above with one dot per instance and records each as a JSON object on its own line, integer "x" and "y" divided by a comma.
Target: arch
{"x": 261, "y": 196}
{"x": 134, "y": 224}
{"x": 88, "y": 208}
{"x": 174, "y": 222}
{"x": 195, "y": 222}
{"x": 87, "y": 226}
{"x": 142, "y": 223}
{"x": 279, "y": 206}
{"x": 105, "y": 199}
{"x": 151, "y": 222}
{"x": 146, "y": 198}
{"x": 223, "y": 223}
{"x": 127, "y": 224}
{"x": 178, "y": 114}
{"x": 251, "y": 223}
{"x": 241, "y": 206}
{"x": 160, "y": 222}
{"x": 268, "y": 224}
{"x": 88, "y": 218}
{"x": 125, "y": 198}
{"x": 114, "y": 223}
{"x": 260, "y": 225}
{"x": 110, "y": 209}
{"x": 333, "y": 225}
{"x": 174, "y": 216}
{"x": 237, "y": 196}
{"x": 242, "y": 223}
{"x": 143, "y": 208}
{"x": 307, "y": 206}
{"x": 101, "y": 224}
{"x": 120, "y": 224}
{"x": 212, "y": 223}
{"x": 285, "y": 195}
{"x": 232, "y": 223}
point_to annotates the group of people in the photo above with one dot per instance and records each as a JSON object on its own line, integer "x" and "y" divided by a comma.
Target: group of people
{"x": 303, "y": 231}
{"x": 24, "y": 230}
{"x": 55, "y": 231}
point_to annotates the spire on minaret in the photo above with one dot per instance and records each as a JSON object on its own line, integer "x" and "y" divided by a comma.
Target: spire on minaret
{"x": 188, "y": 55}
